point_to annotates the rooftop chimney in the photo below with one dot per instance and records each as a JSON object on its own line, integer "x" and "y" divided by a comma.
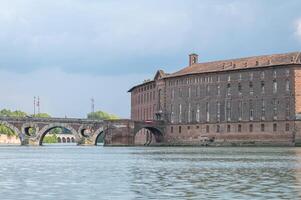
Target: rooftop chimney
{"x": 193, "y": 58}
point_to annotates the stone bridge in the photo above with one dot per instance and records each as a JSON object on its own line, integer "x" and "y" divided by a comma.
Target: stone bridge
{"x": 31, "y": 131}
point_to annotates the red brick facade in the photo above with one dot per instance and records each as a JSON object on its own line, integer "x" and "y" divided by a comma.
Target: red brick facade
{"x": 247, "y": 101}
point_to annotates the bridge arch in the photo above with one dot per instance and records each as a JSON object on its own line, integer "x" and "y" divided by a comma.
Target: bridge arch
{"x": 156, "y": 132}
{"x": 14, "y": 129}
{"x": 97, "y": 134}
{"x": 52, "y": 126}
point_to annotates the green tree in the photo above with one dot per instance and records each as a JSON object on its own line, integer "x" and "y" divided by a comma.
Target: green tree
{"x": 42, "y": 115}
{"x": 17, "y": 113}
{"x": 101, "y": 115}
{"x": 8, "y": 113}
{"x": 50, "y": 139}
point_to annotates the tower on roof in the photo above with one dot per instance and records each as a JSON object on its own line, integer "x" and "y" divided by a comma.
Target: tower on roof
{"x": 193, "y": 58}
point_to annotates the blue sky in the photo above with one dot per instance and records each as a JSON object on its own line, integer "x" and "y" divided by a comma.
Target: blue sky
{"x": 68, "y": 51}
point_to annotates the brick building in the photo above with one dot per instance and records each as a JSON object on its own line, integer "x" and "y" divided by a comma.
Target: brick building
{"x": 246, "y": 101}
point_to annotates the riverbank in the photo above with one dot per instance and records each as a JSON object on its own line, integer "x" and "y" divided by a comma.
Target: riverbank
{"x": 4, "y": 139}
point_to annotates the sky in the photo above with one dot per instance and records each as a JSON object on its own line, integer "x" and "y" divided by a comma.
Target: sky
{"x": 69, "y": 51}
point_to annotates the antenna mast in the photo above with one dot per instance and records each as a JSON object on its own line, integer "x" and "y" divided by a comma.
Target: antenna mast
{"x": 92, "y": 105}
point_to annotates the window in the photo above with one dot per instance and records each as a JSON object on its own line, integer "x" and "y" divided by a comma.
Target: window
{"x": 189, "y": 92}
{"x": 207, "y": 128}
{"x": 207, "y": 90}
{"x": 262, "y": 127}
{"x": 218, "y": 111}
{"x": 287, "y": 127}
{"x": 239, "y": 110}
{"x": 240, "y": 77}
{"x": 251, "y": 76}
{"x": 180, "y": 129}
{"x": 275, "y": 108}
{"x": 274, "y": 127}
{"x": 251, "y": 109}
{"x": 189, "y": 113}
{"x": 251, "y": 128}
{"x": 287, "y": 108}
{"x": 171, "y": 113}
{"x": 228, "y": 111}
{"x": 172, "y": 93}
{"x": 287, "y": 72}
{"x": 262, "y": 75}
{"x": 218, "y": 89}
{"x": 274, "y": 74}
{"x": 262, "y": 87}
{"x": 207, "y": 112}
{"x": 228, "y": 89}
{"x": 287, "y": 85}
{"x": 197, "y": 117}
{"x": 229, "y": 78}
{"x": 239, "y": 88}
{"x": 251, "y": 87}
{"x": 197, "y": 89}
{"x": 180, "y": 92}
{"x": 239, "y": 128}
{"x": 228, "y": 128}
{"x": 217, "y": 128}
{"x": 180, "y": 113}
{"x": 171, "y": 129}
{"x": 274, "y": 86}
{"x": 262, "y": 109}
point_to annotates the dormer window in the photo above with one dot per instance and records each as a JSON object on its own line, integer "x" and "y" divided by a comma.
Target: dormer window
{"x": 193, "y": 58}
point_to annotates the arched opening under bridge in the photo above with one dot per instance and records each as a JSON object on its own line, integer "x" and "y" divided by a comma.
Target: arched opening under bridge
{"x": 57, "y": 134}
{"x": 100, "y": 139}
{"x": 148, "y": 136}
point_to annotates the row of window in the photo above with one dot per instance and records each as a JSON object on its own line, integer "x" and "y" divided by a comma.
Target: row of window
{"x": 145, "y": 97}
{"x": 217, "y": 78}
{"x": 229, "y": 89}
{"x": 227, "y": 112}
{"x": 229, "y": 128}
{"x": 144, "y": 88}
{"x": 145, "y": 113}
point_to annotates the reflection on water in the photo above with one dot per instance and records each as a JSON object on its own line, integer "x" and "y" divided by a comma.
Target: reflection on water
{"x": 72, "y": 172}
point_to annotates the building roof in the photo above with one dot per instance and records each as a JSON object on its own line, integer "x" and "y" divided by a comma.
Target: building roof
{"x": 233, "y": 64}
{"x": 240, "y": 63}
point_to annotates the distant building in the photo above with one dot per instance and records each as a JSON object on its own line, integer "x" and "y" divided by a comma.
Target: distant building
{"x": 247, "y": 100}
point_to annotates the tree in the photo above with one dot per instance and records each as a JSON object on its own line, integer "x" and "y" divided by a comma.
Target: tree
{"x": 17, "y": 113}
{"x": 50, "y": 139}
{"x": 101, "y": 115}
{"x": 42, "y": 115}
{"x": 7, "y": 113}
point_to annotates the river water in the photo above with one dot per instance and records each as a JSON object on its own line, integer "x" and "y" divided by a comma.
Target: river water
{"x": 72, "y": 172}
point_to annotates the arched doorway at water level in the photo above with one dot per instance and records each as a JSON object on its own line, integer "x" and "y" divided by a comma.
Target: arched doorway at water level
{"x": 148, "y": 136}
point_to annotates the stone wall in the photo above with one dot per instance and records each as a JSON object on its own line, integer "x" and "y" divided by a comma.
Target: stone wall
{"x": 232, "y": 134}
{"x": 4, "y": 139}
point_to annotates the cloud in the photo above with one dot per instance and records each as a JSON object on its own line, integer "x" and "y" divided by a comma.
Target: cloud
{"x": 66, "y": 94}
{"x": 298, "y": 29}
{"x": 109, "y": 37}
